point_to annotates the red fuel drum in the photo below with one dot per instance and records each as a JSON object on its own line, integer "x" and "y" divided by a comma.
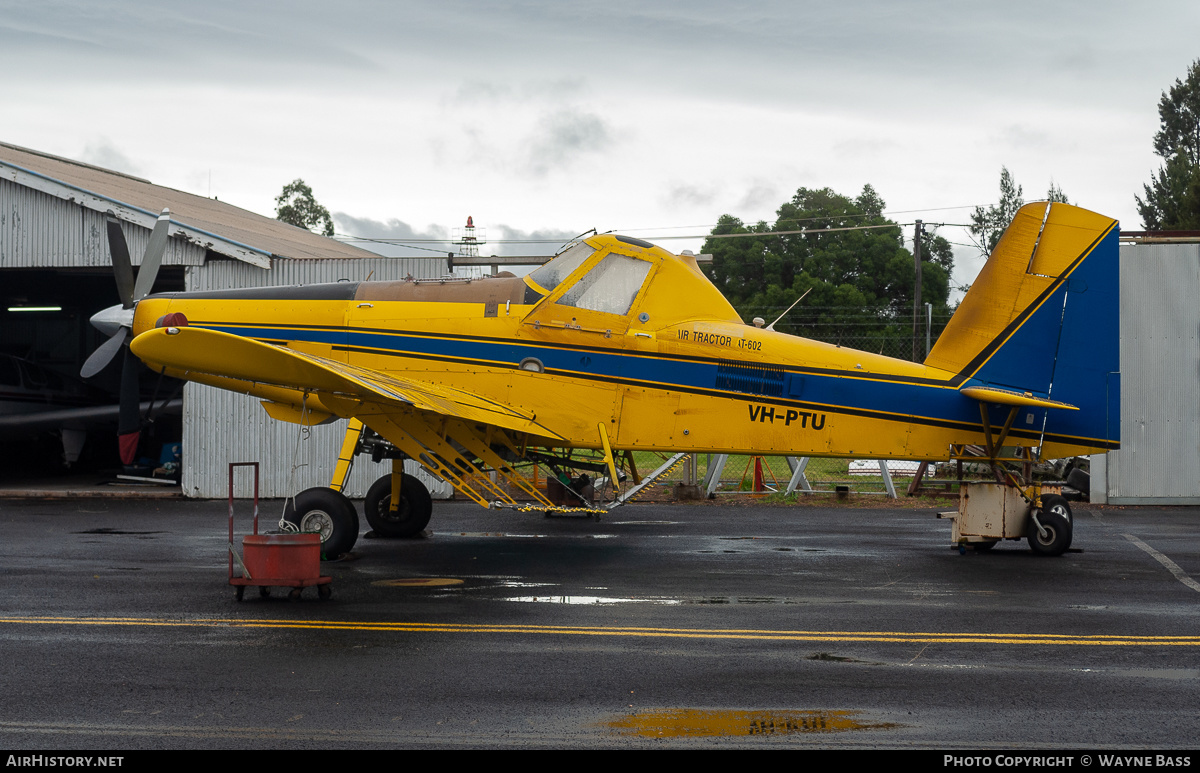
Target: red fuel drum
{"x": 282, "y": 556}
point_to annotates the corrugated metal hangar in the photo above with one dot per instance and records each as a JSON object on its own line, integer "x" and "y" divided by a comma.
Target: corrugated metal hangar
{"x": 54, "y": 255}
{"x": 1159, "y": 458}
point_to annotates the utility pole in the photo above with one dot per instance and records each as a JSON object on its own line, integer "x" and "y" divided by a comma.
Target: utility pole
{"x": 928, "y": 326}
{"x": 917, "y": 288}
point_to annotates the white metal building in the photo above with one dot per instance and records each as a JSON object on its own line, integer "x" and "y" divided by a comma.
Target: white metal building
{"x": 53, "y": 242}
{"x": 1159, "y": 458}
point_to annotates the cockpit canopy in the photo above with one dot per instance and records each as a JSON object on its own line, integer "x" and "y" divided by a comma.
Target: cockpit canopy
{"x": 623, "y": 276}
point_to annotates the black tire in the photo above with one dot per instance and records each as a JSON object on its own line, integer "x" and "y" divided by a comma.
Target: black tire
{"x": 412, "y": 515}
{"x": 1055, "y": 517}
{"x": 325, "y": 511}
{"x": 983, "y": 547}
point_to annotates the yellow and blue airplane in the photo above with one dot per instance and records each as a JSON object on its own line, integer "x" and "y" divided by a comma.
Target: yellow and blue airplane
{"x": 617, "y": 345}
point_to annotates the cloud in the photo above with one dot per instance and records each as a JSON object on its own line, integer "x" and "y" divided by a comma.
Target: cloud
{"x": 104, "y": 153}
{"x": 761, "y": 194}
{"x": 540, "y": 241}
{"x": 474, "y": 92}
{"x": 563, "y": 137}
{"x": 856, "y": 148}
{"x": 390, "y": 229}
{"x": 437, "y": 239}
{"x": 394, "y": 229}
{"x": 681, "y": 195}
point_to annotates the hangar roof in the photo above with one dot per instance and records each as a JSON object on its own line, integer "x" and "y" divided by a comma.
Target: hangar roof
{"x": 216, "y": 225}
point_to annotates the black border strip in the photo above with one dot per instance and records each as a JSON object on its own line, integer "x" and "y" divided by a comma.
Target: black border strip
{"x": 747, "y": 398}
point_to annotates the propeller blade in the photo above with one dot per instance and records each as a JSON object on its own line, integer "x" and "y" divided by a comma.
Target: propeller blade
{"x": 153, "y": 257}
{"x": 129, "y": 417}
{"x": 104, "y": 353}
{"x": 122, "y": 268}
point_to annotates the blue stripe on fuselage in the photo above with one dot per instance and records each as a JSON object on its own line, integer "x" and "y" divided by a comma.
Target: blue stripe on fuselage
{"x": 834, "y": 391}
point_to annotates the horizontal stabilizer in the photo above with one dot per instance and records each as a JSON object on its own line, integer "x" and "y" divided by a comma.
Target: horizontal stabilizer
{"x": 1008, "y": 397}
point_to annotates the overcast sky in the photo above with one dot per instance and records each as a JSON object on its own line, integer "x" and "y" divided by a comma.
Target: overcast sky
{"x": 550, "y": 118}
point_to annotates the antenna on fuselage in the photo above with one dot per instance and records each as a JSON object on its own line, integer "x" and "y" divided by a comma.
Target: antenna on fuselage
{"x": 789, "y": 308}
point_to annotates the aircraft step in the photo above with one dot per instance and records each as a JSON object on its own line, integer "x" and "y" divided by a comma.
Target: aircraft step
{"x": 648, "y": 481}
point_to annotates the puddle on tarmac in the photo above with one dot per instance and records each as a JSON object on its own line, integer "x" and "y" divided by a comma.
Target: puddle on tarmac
{"x": 529, "y": 536}
{"x": 744, "y": 600}
{"x": 695, "y": 723}
{"x": 577, "y": 599}
{"x": 418, "y": 582}
{"x": 643, "y": 523}
{"x": 107, "y": 530}
{"x": 589, "y": 600}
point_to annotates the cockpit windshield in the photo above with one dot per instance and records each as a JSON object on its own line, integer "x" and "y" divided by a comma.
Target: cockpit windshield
{"x": 610, "y": 286}
{"x": 551, "y": 275}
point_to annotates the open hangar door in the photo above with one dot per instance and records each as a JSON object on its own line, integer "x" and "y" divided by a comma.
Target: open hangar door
{"x": 45, "y": 336}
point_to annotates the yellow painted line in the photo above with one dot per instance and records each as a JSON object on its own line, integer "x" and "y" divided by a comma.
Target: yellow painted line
{"x": 896, "y": 637}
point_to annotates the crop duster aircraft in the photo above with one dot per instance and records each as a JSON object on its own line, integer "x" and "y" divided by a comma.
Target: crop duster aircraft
{"x": 617, "y": 345}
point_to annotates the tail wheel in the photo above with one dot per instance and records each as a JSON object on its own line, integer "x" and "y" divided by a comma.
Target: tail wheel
{"x": 1055, "y": 517}
{"x": 328, "y": 513}
{"x": 412, "y": 513}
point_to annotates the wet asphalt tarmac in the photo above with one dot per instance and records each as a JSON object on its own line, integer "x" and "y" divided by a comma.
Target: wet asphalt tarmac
{"x": 662, "y": 625}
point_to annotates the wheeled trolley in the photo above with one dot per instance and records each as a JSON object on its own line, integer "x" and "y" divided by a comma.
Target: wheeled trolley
{"x": 274, "y": 560}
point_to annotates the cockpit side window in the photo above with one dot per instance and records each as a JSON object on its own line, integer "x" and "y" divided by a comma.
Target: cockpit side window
{"x": 551, "y": 275}
{"x": 610, "y": 286}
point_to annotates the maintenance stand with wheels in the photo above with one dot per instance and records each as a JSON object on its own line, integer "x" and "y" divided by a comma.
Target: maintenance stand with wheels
{"x": 1013, "y": 507}
{"x": 275, "y": 560}
{"x": 990, "y": 512}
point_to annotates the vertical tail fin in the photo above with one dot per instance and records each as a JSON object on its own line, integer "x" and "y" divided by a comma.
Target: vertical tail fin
{"x": 1042, "y": 317}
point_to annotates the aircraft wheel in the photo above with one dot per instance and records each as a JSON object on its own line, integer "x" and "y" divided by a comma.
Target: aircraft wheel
{"x": 329, "y": 513}
{"x": 411, "y": 516}
{"x": 1055, "y": 517}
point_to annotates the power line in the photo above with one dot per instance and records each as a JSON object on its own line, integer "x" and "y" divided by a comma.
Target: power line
{"x": 411, "y": 242}
{"x": 802, "y": 219}
{"x": 787, "y": 233}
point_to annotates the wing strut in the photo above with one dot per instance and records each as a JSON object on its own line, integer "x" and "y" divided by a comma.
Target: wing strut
{"x": 345, "y": 462}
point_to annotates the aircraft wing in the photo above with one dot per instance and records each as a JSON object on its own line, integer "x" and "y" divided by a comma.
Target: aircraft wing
{"x": 210, "y": 356}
